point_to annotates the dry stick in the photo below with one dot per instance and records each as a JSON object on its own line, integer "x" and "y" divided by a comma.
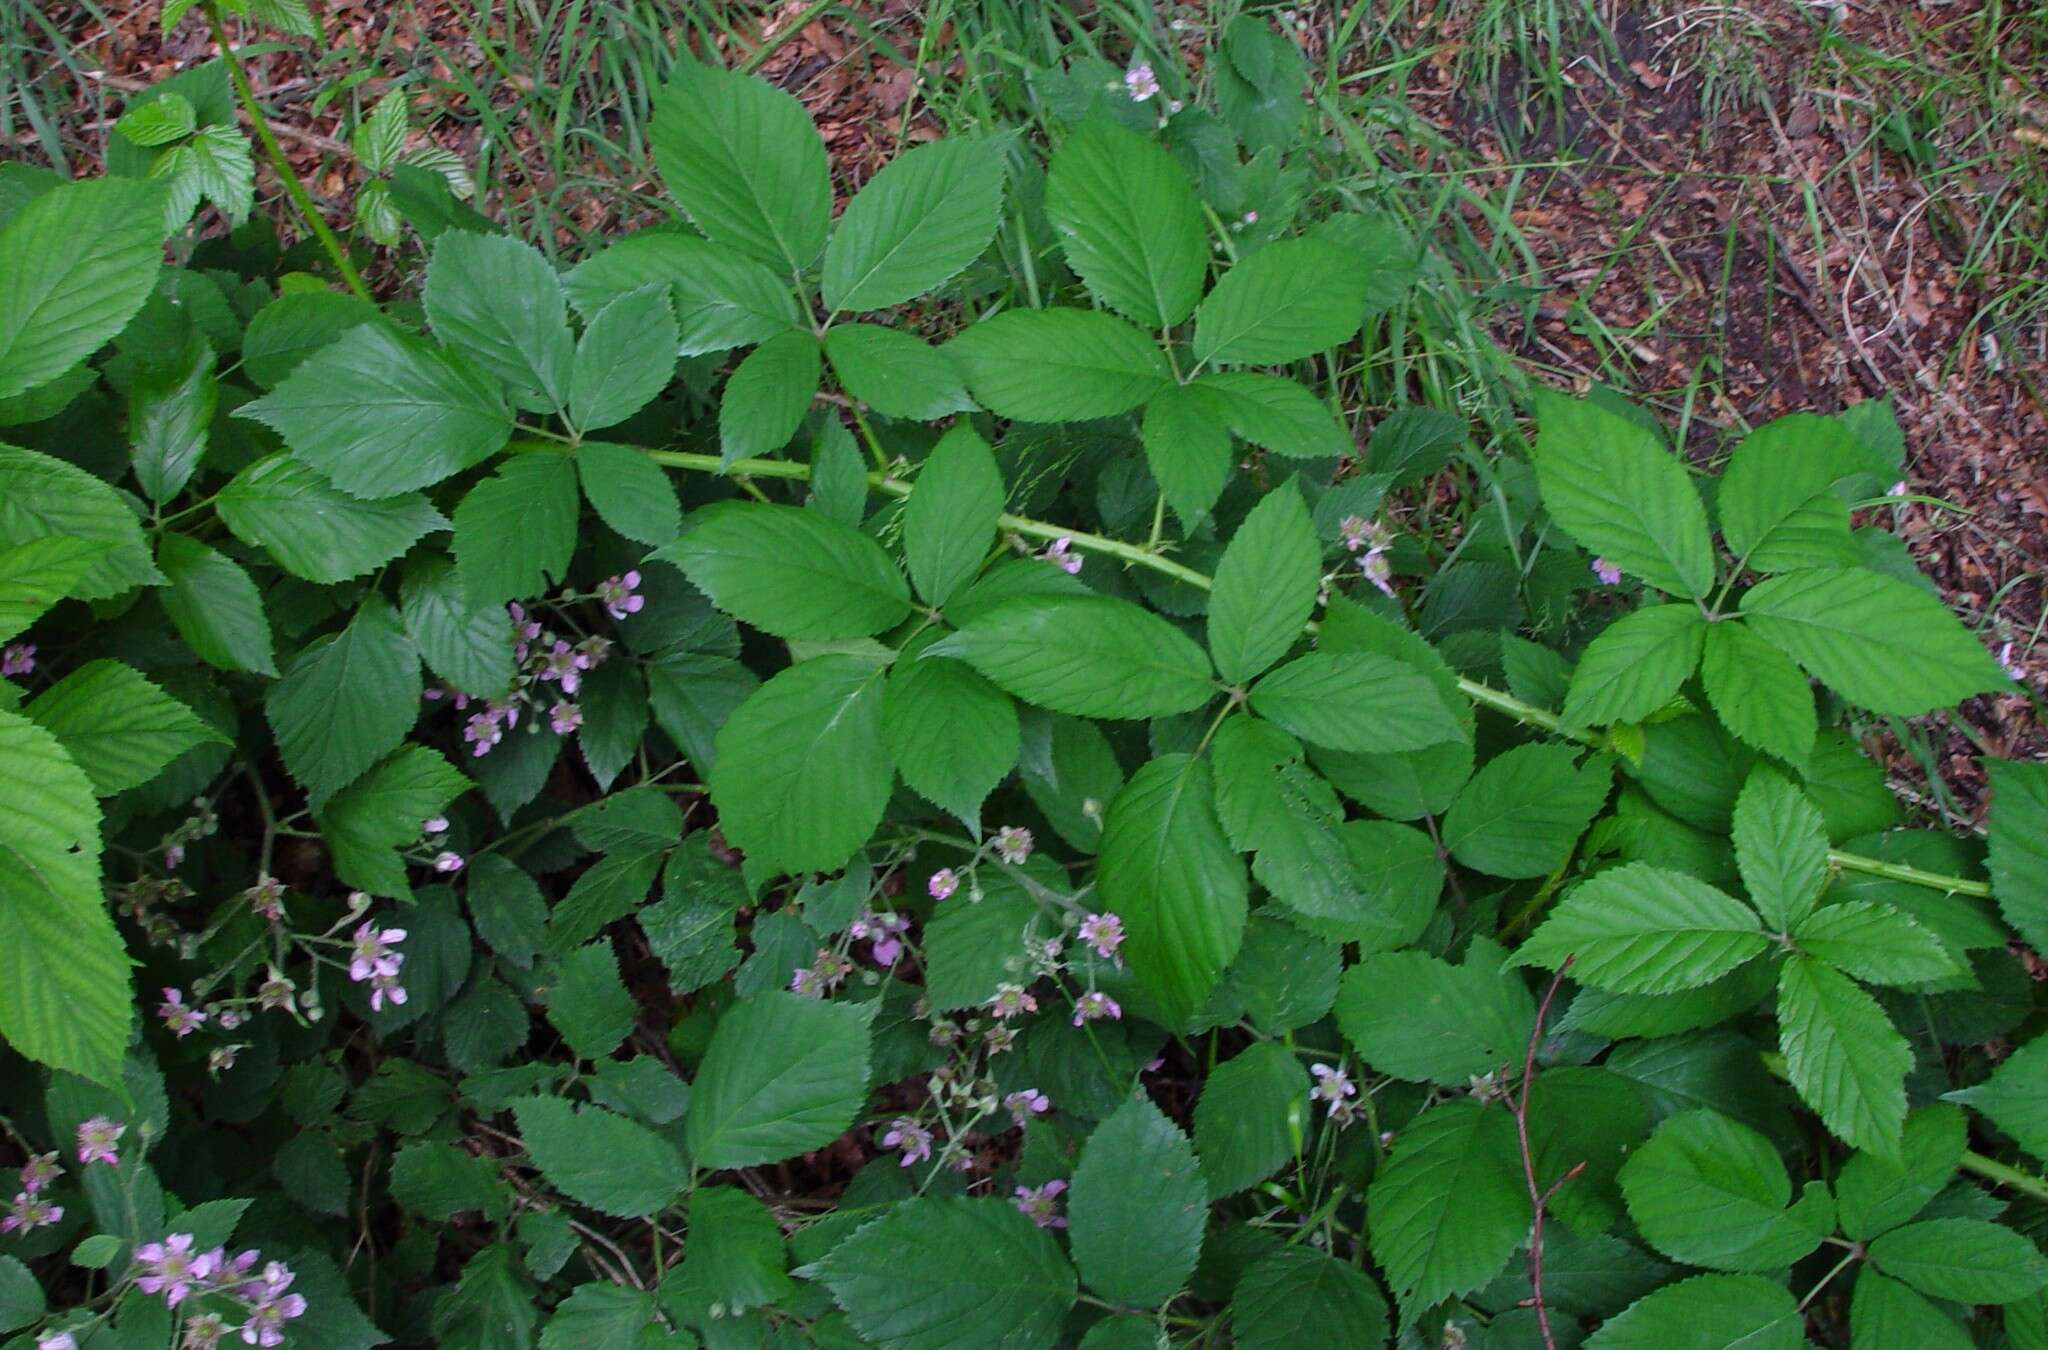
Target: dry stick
{"x": 1538, "y": 1198}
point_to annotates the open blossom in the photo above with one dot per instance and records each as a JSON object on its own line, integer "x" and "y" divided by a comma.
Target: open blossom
{"x": 1023, "y": 1105}
{"x": 942, "y": 884}
{"x": 564, "y": 718}
{"x": 1103, "y": 932}
{"x": 172, "y": 1268}
{"x": 370, "y": 952}
{"x": 1609, "y": 574}
{"x": 39, "y": 1171}
{"x": 266, "y": 897}
{"x": 565, "y": 665}
{"x": 29, "y": 1211}
{"x": 618, "y": 597}
{"x": 1360, "y": 533}
{"x": 18, "y": 659}
{"x": 1059, "y": 554}
{"x": 885, "y": 931}
{"x": 1094, "y": 1006}
{"x": 180, "y": 1018}
{"x": 912, "y": 1138}
{"x": 1333, "y": 1085}
{"x": 1374, "y": 565}
{"x": 97, "y": 1139}
{"x": 275, "y": 992}
{"x": 385, "y": 989}
{"x": 483, "y": 732}
{"x": 1140, "y": 83}
{"x": 206, "y": 1331}
{"x": 1013, "y": 843}
{"x": 1037, "y": 1204}
{"x": 1011, "y": 1000}
{"x": 271, "y": 1305}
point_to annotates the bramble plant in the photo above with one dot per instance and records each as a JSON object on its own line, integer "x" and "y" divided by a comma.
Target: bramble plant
{"x": 904, "y": 780}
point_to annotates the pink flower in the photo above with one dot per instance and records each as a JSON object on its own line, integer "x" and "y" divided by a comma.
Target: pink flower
{"x": 808, "y": 982}
{"x": 266, "y": 897}
{"x": 1095, "y": 1005}
{"x": 370, "y": 952}
{"x": 385, "y": 989}
{"x": 565, "y": 665}
{"x": 98, "y": 1137}
{"x": 1251, "y": 217}
{"x": 29, "y": 1211}
{"x": 1057, "y": 554}
{"x": 180, "y": 1017}
{"x": 1333, "y": 1085}
{"x": 205, "y": 1331}
{"x": 564, "y": 718}
{"x": 434, "y": 825}
{"x": 39, "y": 1171}
{"x": 1609, "y": 574}
{"x": 447, "y": 863}
{"x": 886, "y": 931}
{"x": 2014, "y": 671}
{"x": 174, "y": 856}
{"x": 171, "y": 1268}
{"x": 1023, "y": 1105}
{"x": 1897, "y": 489}
{"x": 1360, "y": 533}
{"x": 56, "y": 1340}
{"x": 18, "y": 659}
{"x": 483, "y": 732}
{"x": 618, "y": 597}
{"x": 1374, "y": 565}
{"x": 942, "y": 884}
{"x": 1140, "y": 83}
{"x": 912, "y": 1138}
{"x": 1038, "y": 1205}
{"x": 1013, "y": 843}
{"x": 270, "y": 1307}
{"x": 1103, "y": 932}
{"x": 1010, "y": 1001}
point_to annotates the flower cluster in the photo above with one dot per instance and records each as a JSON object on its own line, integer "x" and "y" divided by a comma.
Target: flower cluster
{"x": 173, "y": 1269}
{"x": 372, "y": 960}
{"x": 1375, "y": 539}
{"x": 550, "y": 667}
{"x": 31, "y": 1208}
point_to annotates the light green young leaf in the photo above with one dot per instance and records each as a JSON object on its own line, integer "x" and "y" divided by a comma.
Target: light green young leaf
{"x": 1059, "y": 365}
{"x": 1356, "y": 701}
{"x": 1720, "y": 1310}
{"x": 1265, "y": 586}
{"x": 1137, "y": 1207}
{"x": 1243, "y": 1119}
{"x": 1089, "y": 656}
{"x": 631, "y": 493}
{"x": 1522, "y": 813}
{"x": 2015, "y": 1097}
{"x": 1777, "y": 501}
{"x": 1873, "y": 1196}
{"x": 75, "y": 265}
{"x": 314, "y": 530}
{"x": 767, "y": 395}
{"x": 35, "y": 575}
{"x": 379, "y": 139}
{"x": 1128, "y": 222}
{"x": 116, "y": 725}
{"x": 784, "y": 1074}
{"x": 1967, "y": 1260}
{"x": 1875, "y": 943}
{"x": 43, "y": 497}
{"x": 166, "y": 118}
{"x": 1781, "y": 847}
{"x": 1635, "y": 666}
{"x": 894, "y": 372}
{"x": 1167, "y": 869}
{"x": 2018, "y": 833}
{"x": 1450, "y": 1206}
{"x": 624, "y": 359}
{"x": 1289, "y": 300}
{"x": 1187, "y": 448}
{"x": 953, "y": 734}
{"x": 380, "y": 413}
{"x": 924, "y": 217}
{"x": 723, "y": 298}
{"x": 600, "y": 1159}
{"x": 1639, "y": 929}
{"x": 215, "y": 166}
{"x": 587, "y": 1003}
{"x": 803, "y": 771}
{"x": 369, "y": 821}
{"x": 950, "y": 520}
{"x": 743, "y": 159}
{"x": 1425, "y": 1020}
{"x": 1621, "y": 495}
{"x": 65, "y": 998}
{"x": 1843, "y": 1056}
{"x": 1301, "y": 1299}
{"x": 346, "y": 702}
{"x": 1758, "y": 693}
{"x": 515, "y": 531}
{"x": 1275, "y": 414}
{"x": 791, "y": 572}
{"x": 465, "y": 643}
{"x": 903, "y": 1283}
{"x": 1711, "y": 1192}
{"x": 1877, "y": 642}
{"x": 498, "y": 301}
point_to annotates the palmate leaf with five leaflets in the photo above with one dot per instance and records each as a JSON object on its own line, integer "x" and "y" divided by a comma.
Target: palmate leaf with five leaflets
{"x": 1843, "y": 1055}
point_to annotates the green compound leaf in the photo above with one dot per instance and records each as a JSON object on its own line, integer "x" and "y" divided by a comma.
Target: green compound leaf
{"x": 345, "y": 703}
{"x": 2015, "y": 1098}
{"x": 116, "y": 725}
{"x": 1187, "y": 448}
{"x": 1275, "y": 414}
{"x": 1777, "y": 499}
{"x": 925, "y": 216}
{"x": 784, "y": 1074}
{"x": 1881, "y": 643}
{"x": 1843, "y": 1056}
{"x": 1088, "y": 656}
{"x": 1521, "y": 814}
{"x": 2018, "y": 833}
{"x": 1875, "y": 943}
{"x": 1639, "y": 929}
{"x": 789, "y": 571}
{"x": 1884, "y": 1312}
{"x": 950, "y": 520}
{"x": 1243, "y": 1119}
{"x": 213, "y": 605}
{"x": 1167, "y": 869}
{"x": 1719, "y": 1310}
{"x": 903, "y": 1282}
{"x": 721, "y": 297}
{"x": 1291, "y": 299}
{"x": 1873, "y": 1196}
{"x": 1137, "y": 1208}
{"x": 767, "y": 396}
{"x": 76, "y": 264}
{"x": 64, "y": 992}
{"x": 1128, "y": 222}
{"x": 1967, "y": 1260}
{"x": 1710, "y": 1192}
{"x": 515, "y": 531}
{"x": 1449, "y": 1206}
{"x": 42, "y": 497}
{"x": 1302, "y": 1299}
{"x": 499, "y": 302}
{"x": 630, "y": 492}
{"x": 895, "y": 373}
{"x": 1636, "y": 666}
{"x": 600, "y": 1159}
{"x": 1781, "y": 848}
{"x": 742, "y": 158}
{"x": 1265, "y": 586}
{"x": 624, "y": 359}
{"x": 315, "y": 531}
{"x": 1621, "y": 495}
{"x": 1059, "y": 365}
{"x": 379, "y": 413}
{"x": 1356, "y": 701}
